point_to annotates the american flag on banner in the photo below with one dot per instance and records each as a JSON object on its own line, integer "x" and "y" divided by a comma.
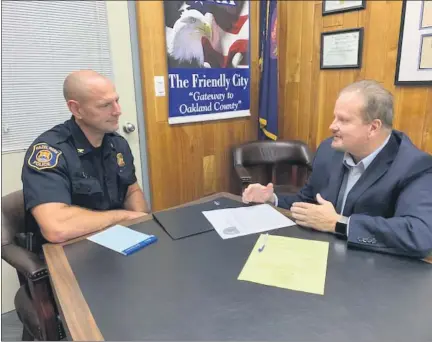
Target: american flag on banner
{"x": 224, "y": 42}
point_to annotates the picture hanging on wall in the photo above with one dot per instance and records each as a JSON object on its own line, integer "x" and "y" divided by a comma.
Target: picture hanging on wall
{"x": 340, "y": 6}
{"x": 414, "y": 59}
{"x": 426, "y": 18}
{"x": 208, "y": 57}
{"x": 341, "y": 49}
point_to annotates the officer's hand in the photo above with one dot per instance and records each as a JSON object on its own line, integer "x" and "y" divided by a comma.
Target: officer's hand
{"x": 135, "y": 214}
{"x": 258, "y": 193}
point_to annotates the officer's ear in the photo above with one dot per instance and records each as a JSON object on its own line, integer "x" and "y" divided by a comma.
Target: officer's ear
{"x": 75, "y": 109}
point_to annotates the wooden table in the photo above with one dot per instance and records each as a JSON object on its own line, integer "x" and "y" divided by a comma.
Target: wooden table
{"x": 80, "y": 324}
{"x": 365, "y": 298}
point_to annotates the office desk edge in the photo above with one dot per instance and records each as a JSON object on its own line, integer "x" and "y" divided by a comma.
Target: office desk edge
{"x": 75, "y": 311}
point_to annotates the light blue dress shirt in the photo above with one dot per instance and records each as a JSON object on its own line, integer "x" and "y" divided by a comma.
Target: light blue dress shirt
{"x": 356, "y": 170}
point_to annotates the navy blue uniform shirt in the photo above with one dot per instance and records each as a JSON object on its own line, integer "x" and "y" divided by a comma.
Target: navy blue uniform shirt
{"x": 62, "y": 166}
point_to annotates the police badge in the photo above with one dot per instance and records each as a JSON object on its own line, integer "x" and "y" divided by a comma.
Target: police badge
{"x": 120, "y": 160}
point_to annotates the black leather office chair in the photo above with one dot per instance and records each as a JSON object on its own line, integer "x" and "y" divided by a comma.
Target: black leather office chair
{"x": 34, "y": 302}
{"x": 286, "y": 164}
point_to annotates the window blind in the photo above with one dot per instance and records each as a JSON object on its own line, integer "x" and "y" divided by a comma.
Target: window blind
{"x": 42, "y": 42}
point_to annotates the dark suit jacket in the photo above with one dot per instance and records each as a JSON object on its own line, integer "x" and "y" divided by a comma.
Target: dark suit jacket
{"x": 390, "y": 207}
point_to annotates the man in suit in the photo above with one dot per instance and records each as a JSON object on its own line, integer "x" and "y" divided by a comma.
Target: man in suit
{"x": 369, "y": 183}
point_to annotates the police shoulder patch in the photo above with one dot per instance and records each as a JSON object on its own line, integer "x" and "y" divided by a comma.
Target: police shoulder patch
{"x": 43, "y": 157}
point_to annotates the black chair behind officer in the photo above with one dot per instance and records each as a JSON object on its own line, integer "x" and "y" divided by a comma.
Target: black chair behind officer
{"x": 34, "y": 301}
{"x": 286, "y": 164}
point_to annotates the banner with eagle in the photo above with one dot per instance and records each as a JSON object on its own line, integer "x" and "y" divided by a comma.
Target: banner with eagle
{"x": 208, "y": 59}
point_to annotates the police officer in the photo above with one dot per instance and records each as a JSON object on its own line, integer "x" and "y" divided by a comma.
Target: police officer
{"x": 79, "y": 177}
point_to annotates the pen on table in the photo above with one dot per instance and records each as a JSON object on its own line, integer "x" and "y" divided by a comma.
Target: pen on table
{"x": 264, "y": 243}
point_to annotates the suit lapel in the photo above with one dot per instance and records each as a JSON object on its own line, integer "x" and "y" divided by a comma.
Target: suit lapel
{"x": 336, "y": 177}
{"x": 373, "y": 173}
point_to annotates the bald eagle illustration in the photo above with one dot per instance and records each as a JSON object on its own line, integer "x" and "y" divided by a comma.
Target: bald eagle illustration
{"x": 184, "y": 46}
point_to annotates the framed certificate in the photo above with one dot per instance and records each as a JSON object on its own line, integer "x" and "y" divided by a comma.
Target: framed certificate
{"x": 425, "y": 60}
{"x": 342, "y": 49}
{"x": 339, "y": 6}
{"x": 426, "y": 15}
{"x": 414, "y": 59}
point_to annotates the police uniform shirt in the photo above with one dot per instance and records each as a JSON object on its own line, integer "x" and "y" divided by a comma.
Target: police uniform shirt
{"x": 62, "y": 166}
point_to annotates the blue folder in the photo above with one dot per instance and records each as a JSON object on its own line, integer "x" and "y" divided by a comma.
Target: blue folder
{"x": 122, "y": 239}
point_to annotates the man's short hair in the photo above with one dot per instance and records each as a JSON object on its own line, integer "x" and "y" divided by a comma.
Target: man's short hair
{"x": 378, "y": 101}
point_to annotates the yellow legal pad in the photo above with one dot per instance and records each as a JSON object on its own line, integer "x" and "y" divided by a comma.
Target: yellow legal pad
{"x": 289, "y": 263}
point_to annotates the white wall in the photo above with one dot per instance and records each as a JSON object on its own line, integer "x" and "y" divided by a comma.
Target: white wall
{"x": 11, "y": 181}
{"x": 118, "y": 22}
{"x": 121, "y": 54}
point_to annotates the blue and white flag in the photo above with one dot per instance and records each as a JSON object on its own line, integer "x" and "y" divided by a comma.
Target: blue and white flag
{"x": 208, "y": 59}
{"x": 268, "y": 100}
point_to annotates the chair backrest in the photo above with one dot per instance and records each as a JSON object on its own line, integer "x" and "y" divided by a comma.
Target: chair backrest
{"x": 287, "y": 164}
{"x": 13, "y": 216}
{"x": 292, "y": 152}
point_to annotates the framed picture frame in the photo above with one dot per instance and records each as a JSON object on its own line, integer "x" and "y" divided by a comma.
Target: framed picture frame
{"x": 426, "y": 15}
{"x": 425, "y": 58}
{"x": 340, "y": 6}
{"x": 413, "y": 64}
{"x": 342, "y": 49}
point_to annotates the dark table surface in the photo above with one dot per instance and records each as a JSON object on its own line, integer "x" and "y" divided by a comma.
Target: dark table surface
{"x": 188, "y": 290}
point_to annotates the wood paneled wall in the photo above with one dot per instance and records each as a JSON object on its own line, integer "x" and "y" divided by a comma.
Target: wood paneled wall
{"x": 307, "y": 94}
{"x": 187, "y": 161}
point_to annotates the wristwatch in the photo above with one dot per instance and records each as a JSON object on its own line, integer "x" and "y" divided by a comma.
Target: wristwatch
{"x": 341, "y": 227}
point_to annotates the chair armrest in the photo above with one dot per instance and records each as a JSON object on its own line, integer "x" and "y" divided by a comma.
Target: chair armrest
{"x": 243, "y": 174}
{"x": 24, "y": 262}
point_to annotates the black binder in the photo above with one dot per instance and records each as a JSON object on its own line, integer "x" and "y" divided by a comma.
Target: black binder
{"x": 187, "y": 221}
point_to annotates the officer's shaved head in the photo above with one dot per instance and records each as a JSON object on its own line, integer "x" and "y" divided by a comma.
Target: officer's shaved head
{"x": 78, "y": 84}
{"x": 93, "y": 101}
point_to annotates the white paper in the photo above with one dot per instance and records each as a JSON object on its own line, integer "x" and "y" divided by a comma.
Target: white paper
{"x": 159, "y": 83}
{"x": 230, "y": 223}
